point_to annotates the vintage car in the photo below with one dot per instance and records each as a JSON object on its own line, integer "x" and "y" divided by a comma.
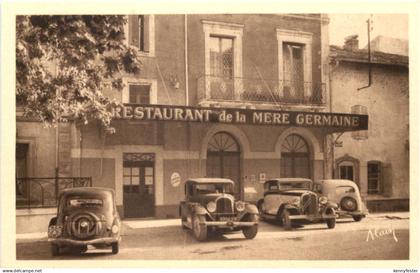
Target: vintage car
{"x": 346, "y": 194}
{"x": 291, "y": 200}
{"x": 85, "y": 216}
{"x": 210, "y": 207}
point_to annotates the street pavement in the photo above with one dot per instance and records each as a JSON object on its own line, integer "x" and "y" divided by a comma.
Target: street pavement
{"x": 377, "y": 237}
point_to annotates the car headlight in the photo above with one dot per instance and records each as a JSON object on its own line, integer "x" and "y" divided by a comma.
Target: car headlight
{"x": 115, "y": 229}
{"x": 323, "y": 200}
{"x": 240, "y": 206}
{"x": 296, "y": 202}
{"x": 211, "y": 206}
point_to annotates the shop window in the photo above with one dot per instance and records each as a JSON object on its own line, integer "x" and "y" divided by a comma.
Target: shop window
{"x": 139, "y": 93}
{"x": 346, "y": 170}
{"x": 374, "y": 177}
{"x": 295, "y": 160}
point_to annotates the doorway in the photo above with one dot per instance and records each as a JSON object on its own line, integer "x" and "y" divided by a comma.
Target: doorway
{"x": 224, "y": 159}
{"x": 295, "y": 157}
{"x": 139, "y": 185}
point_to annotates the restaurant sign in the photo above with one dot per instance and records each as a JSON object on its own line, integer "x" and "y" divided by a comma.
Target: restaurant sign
{"x": 241, "y": 116}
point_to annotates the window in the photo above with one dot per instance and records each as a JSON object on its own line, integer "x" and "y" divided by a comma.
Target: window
{"x": 346, "y": 170}
{"x": 223, "y": 60}
{"x": 293, "y": 71}
{"x": 139, "y": 93}
{"x": 21, "y": 159}
{"x": 295, "y": 64}
{"x": 221, "y": 57}
{"x": 139, "y": 31}
{"x": 374, "y": 177}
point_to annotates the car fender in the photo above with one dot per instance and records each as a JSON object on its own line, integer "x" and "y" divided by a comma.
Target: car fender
{"x": 199, "y": 210}
{"x": 332, "y": 205}
{"x": 252, "y": 209}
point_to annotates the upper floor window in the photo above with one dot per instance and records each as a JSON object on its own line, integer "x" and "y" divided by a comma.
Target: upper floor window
{"x": 346, "y": 170}
{"x": 295, "y": 65}
{"x": 374, "y": 177}
{"x": 141, "y": 32}
{"x": 139, "y": 93}
{"x": 221, "y": 56}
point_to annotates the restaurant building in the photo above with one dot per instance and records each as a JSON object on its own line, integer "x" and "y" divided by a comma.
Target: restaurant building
{"x": 239, "y": 96}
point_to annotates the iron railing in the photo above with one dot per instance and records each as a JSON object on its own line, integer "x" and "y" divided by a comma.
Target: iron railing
{"x": 214, "y": 88}
{"x": 43, "y": 192}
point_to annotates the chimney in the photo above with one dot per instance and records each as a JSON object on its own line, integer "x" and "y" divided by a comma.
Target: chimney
{"x": 351, "y": 42}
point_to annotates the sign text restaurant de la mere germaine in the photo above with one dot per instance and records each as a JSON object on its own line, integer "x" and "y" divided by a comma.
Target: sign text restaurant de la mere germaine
{"x": 241, "y": 116}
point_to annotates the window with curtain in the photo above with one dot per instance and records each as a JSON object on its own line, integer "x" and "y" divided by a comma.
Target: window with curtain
{"x": 139, "y": 31}
{"x": 293, "y": 69}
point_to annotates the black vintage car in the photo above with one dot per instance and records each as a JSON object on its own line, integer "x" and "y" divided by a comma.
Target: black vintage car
{"x": 85, "y": 216}
{"x": 289, "y": 200}
{"x": 210, "y": 206}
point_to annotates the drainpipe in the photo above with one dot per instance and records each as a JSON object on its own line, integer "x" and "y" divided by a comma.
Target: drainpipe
{"x": 369, "y": 59}
{"x": 187, "y": 102}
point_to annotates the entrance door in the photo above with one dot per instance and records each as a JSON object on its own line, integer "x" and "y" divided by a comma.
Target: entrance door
{"x": 295, "y": 157}
{"x": 138, "y": 185}
{"x": 223, "y": 159}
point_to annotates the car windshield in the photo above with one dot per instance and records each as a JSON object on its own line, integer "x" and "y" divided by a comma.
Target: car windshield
{"x": 85, "y": 203}
{"x": 214, "y": 188}
{"x": 298, "y": 185}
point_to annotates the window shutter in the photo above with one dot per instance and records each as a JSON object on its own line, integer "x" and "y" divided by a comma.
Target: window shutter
{"x": 146, "y": 34}
{"x": 134, "y": 32}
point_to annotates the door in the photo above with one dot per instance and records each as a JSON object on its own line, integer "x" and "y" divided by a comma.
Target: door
{"x": 295, "y": 157}
{"x": 138, "y": 186}
{"x": 223, "y": 160}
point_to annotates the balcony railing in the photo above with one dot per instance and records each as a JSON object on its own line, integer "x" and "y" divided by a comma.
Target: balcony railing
{"x": 43, "y": 192}
{"x": 212, "y": 88}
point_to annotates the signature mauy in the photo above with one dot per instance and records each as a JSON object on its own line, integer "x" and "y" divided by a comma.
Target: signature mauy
{"x": 377, "y": 233}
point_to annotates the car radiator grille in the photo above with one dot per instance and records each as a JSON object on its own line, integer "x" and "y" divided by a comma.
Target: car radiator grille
{"x": 224, "y": 205}
{"x": 309, "y": 203}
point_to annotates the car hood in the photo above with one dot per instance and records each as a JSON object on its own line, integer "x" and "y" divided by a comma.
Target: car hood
{"x": 294, "y": 192}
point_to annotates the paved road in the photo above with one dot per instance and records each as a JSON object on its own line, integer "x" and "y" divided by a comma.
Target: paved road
{"x": 311, "y": 242}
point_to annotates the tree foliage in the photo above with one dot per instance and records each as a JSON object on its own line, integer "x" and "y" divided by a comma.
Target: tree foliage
{"x": 63, "y": 64}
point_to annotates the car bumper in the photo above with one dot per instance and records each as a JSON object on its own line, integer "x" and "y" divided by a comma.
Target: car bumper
{"x": 312, "y": 217}
{"x": 351, "y": 213}
{"x": 229, "y": 224}
{"x": 67, "y": 241}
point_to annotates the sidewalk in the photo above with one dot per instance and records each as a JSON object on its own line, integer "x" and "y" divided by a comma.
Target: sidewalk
{"x": 156, "y": 223}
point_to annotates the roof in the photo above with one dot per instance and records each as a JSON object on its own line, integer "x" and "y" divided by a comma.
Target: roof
{"x": 205, "y": 180}
{"x": 94, "y": 190}
{"x": 361, "y": 56}
{"x": 291, "y": 179}
{"x": 339, "y": 182}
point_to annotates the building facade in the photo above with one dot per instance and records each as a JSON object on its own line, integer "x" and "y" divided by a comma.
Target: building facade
{"x": 376, "y": 159}
{"x": 239, "y": 96}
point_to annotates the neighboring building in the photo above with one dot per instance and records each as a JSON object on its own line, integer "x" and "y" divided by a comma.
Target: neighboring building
{"x": 389, "y": 45}
{"x": 268, "y": 71}
{"x": 377, "y": 159}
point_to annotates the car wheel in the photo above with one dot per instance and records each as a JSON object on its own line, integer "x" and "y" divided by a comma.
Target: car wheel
{"x": 55, "y": 250}
{"x": 357, "y": 218}
{"x": 285, "y": 219}
{"x": 115, "y": 248}
{"x": 200, "y": 230}
{"x": 348, "y": 204}
{"x": 251, "y": 232}
{"x": 331, "y": 221}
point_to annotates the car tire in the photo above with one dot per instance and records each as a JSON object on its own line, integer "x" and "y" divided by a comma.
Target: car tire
{"x": 357, "y": 218}
{"x": 200, "y": 231}
{"x": 348, "y": 204}
{"x": 55, "y": 250}
{"x": 251, "y": 232}
{"x": 285, "y": 220}
{"x": 331, "y": 222}
{"x": 115, "y": 248}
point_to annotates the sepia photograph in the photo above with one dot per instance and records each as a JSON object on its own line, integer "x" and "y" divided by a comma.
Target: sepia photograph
{"x": 277, "y": 136}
